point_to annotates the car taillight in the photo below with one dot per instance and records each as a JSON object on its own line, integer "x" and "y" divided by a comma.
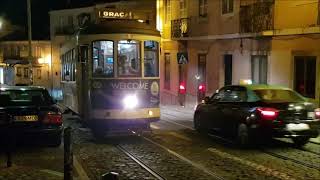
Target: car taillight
{"x": 268, "y": 113}
{"x": 317, "y": 113}
{"x": 53, "y": 118}
{"x": 182, "y": 88}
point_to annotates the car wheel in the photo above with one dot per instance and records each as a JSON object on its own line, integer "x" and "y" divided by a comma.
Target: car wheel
{"x": 197, "y": 123}
{"x": 300, "y": 141}
{"x": 243, "y": 135}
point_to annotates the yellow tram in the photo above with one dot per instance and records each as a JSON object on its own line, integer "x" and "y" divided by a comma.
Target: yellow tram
{"x": 111, "y": 71}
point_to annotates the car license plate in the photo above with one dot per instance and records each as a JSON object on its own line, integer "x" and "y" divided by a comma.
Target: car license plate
{"x": 297, "y": 127}
{"x": 26, "y": 118}
{"x": 311, "y": 115}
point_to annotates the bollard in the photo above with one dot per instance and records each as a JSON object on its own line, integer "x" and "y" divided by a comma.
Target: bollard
{"x": 9, "y": 159}
{"x": 68, "y": 155}
{"x": 10, "y": 146}
{"x": 110, "y": 176}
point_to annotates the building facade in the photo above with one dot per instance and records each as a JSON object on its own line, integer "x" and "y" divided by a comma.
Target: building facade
{"x": 15, "y": 66}
{"x": 227, "y": 42}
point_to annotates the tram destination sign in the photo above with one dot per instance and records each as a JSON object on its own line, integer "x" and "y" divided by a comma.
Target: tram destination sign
{"x": 115, "y": 14}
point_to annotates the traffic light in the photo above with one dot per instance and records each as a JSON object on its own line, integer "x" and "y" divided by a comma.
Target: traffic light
{"x": 202, "y": 88}
{"x": 182, "y": 88}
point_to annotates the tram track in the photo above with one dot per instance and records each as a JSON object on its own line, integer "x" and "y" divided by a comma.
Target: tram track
{"x": 299, "y": 148}
{"x": 277, "y": 155}
{"x": 140, "y": 163}
{"x": 188, "y": 163}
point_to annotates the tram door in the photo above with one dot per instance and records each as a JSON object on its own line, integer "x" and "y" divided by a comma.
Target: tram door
{"x": 83, "y": 85}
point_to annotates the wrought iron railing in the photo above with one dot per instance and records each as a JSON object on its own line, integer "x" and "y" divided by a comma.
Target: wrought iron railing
{"x": 180, "y": 28}
{"x": 257, "y": 17}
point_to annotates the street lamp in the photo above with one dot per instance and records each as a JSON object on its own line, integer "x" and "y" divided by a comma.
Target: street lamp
{"x": 30, "y": 38}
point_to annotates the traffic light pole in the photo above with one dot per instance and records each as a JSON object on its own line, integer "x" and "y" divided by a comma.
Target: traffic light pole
{"x": 30, "y": 39}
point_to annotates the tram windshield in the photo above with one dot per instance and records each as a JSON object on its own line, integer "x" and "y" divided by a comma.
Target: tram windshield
{"x": 102, "y": 54}
{"x": 129, "y": 58}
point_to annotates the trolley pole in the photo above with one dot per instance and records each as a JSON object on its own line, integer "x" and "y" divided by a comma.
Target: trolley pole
{"x": 30, "y": 39}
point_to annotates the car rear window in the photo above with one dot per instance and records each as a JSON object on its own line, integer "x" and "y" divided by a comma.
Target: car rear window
{"x": 278, "y": 95}
{"x": 25, "y": 98}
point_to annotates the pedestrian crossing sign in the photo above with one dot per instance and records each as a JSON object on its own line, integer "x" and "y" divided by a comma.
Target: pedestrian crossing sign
{"x": 182, "y": 58}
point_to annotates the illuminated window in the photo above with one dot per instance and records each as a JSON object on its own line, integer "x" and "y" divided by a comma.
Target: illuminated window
{"x": 203, "y": 8}
{"x": 129, "y": 58}
{"x": 102, "y": 58}
{"x": 167, "y": 71}
{"x": 151, "y": 60}
{"x": 227, "y": 6}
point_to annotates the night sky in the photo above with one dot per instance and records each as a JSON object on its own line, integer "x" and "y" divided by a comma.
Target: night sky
{"x": 16, "y": 12}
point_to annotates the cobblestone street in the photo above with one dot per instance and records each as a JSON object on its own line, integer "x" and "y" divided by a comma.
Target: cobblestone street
{"x": 173, "y": 150}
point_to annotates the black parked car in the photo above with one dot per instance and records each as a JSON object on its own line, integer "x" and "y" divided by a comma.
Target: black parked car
{"x": 254, "y": 111}
{"x": 29, "y": 112}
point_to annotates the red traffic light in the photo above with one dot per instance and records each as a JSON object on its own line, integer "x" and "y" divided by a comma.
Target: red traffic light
{"x": 202, "y": 88}
{"x": 182, "y": 88}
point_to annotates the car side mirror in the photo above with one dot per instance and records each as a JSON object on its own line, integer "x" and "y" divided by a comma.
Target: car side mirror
{"x": 207, "y": 100}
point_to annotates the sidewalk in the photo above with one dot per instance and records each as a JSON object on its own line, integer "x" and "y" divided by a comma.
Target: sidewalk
{"x": 176, "y": 110}
{"x": 27, "y": 173}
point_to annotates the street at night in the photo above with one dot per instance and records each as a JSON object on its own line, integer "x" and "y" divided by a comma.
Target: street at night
{"x": 160, "y": 89}
{"x": 173, "y": 150}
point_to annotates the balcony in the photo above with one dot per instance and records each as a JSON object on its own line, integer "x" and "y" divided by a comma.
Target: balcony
{"x": 257, "y": 17}
{"x": 20, "y": 58}
{"x": 180, "y": 28}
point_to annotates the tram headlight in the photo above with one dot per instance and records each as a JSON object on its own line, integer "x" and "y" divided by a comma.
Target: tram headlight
{"x": 130, "y": 101}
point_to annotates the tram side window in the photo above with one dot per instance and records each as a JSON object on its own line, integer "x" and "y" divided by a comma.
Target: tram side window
{"x": 68, "y": 66}
{"x": 102, "y": 58}
{"x": 129, "y": 58}
{"x": 151, "y": 60}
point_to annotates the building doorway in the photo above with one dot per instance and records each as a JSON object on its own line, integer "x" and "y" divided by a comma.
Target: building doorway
{"x": 259, "y": 69}
{"x": 227, "y": 69}
{"x": 202, "y": 61}
{"x": 305, "y": 75}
